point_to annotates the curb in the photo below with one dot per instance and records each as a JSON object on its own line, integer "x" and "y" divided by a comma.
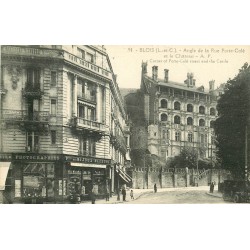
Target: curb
{"x": 214, "y": 195}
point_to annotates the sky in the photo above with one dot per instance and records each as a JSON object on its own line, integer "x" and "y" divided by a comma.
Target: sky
{"x": 207, "y": 63}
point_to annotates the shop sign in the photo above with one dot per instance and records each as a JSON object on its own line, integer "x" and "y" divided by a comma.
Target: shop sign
{"x": 87, "y": 160}
{"x": 36, "y": 157}
{"x": 5, "y": 157}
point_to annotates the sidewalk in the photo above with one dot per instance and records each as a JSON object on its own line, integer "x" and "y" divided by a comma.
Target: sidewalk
{"x": 140, "y": 192}
{"x": 215, "y": 194}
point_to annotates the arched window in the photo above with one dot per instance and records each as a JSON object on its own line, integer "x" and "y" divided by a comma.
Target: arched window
{"x": 177, "y": 120}
{"x": 164, "y": 103}
{"x": 177, "y": 106}
{"x": 201, "y": 122}
{"x": 212, "y": 111}
{"x": 202, "y": 110}
{"x": 189, "y": 121}
{"x": 212, "y": 124}
{"x": 164, "y": 117}
{"x": 190, "y": 108}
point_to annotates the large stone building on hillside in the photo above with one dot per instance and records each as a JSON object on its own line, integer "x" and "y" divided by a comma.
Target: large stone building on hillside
{"x": 168, "y": 116}
{"x": 63, "y": 123}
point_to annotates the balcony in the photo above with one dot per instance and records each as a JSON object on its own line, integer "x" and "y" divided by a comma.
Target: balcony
{"x": 85, "y": 64}
{"x": 87, "y": 97}
{"x": 80, "y": 123}
{"x": 23, "y": 51}
{"x": 22, "y": 117}
{"x": 32, "y": 92}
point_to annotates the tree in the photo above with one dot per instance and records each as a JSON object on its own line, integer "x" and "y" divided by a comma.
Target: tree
{"x": 188, "y": 158}
{"x": 233, "y": 110}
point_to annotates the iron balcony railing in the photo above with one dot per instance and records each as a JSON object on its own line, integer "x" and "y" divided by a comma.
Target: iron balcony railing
{"x": 24, "y": 116}
{"x": 87, "y": 97}
{"x": 32, "y": 91}
{"x": 88, "y": 124}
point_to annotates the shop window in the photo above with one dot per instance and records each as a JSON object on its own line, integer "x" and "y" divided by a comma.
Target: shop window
{"x": 190, "y": 108}
{"x": 32, "y": 142}
{"x": 53, "y": 107}
{"x": 53, "y": 136}
{"x": 177, "y": 106}
{"x": 189, "y": 121}
{"x": 177, "y": 120}
{"x": 177, "y": 136}
{"x": 53, "y": 78}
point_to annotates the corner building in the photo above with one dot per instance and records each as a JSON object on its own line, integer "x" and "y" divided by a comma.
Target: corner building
{"x": 63, "y": 124}
{"x": 177, "y": 115}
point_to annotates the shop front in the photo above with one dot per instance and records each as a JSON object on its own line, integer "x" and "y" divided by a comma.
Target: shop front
{"x": 47, "y": 178}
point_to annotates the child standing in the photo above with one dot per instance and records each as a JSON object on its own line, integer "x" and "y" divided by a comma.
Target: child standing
{"x": 132, "y": 194}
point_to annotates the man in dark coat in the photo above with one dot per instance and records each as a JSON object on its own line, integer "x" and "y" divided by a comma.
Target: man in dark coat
{"x": 123, "y": 194}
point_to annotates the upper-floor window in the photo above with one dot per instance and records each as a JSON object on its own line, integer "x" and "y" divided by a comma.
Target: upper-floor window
{"x": 189, "y": 121}
{"x": 190, "y": 137}
{"x": 212, "y": 111}
{"x": 202, "y": 110}
{"x": 177, "y": 119}
{"x": 89, "y": 57}
{"x": 177, "y": 106}
{"x": 211, "y": 124}
{"x": 81, "y": 53}
{"x": 33, "y": 78}
{"x": 87, "y": 146}
{"x": 201, "y": 122}
{"x": 53, "y": 78}
{"x": 86, "y": 112}
{"x": 53, "y": 106}
{"x": 190, "y": 108}
{"x": 32, "y": 142}
{"x": 177, "y": 136}
{"x": 86, "y": 90}
{"x": 164, "y": 117}
{"x": 164, "y": 103}
{"x": 53, "y": 136}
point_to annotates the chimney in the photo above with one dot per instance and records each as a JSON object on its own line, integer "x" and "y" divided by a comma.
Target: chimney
{"x": 144, "y": 68}
{"x": 155, "y": 72}
{"x": 166, "y": 75}
{"x": 211, "y": 85}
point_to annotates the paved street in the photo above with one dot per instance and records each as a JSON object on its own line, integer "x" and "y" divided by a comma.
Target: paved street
{"x": 178, "y": 197}
{"x": 189, "y": 195}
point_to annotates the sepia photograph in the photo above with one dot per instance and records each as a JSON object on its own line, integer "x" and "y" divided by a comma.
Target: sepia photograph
{"x": 137, "y": 139}
{"x": 95, "y": 124}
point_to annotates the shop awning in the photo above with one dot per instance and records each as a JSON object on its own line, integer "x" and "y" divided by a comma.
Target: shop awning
{"x": 85, "y": 165}
{"x": 124, "y": 176}
{"x": 4, "y": 168}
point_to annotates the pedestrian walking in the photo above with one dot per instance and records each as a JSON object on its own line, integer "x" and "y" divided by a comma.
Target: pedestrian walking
{"x": 155, "y": 188}
{"x": 211, "y": 187}
{"x": 123, "y": 194}
{"x": 132, "y": 194}
{"x": 107, "y": 193}
{"x": 94, "y": 193}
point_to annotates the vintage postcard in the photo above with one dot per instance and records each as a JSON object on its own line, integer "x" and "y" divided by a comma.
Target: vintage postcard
{"x": 94, "y": 124}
